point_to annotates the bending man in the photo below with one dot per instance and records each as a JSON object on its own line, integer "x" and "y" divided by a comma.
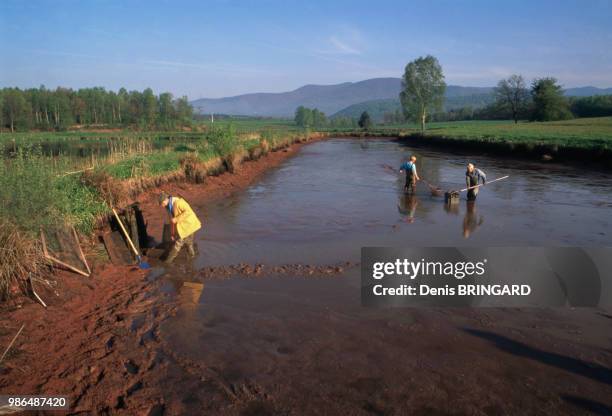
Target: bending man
{"x": 184, "y": 220}
{"x": 411, "y": 174}
{"x": 473, "y": 176}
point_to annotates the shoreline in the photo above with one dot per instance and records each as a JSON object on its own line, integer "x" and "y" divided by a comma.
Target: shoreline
{"x": 506, "y": 149}
{"x": 215, "y": 186}
{"x": 87, "y": 342}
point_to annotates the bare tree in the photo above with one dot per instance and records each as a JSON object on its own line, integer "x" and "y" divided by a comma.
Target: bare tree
{"x": 513, "y": 94}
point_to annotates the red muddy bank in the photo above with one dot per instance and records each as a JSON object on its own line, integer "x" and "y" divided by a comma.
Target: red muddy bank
{"x": 96, "y": 341}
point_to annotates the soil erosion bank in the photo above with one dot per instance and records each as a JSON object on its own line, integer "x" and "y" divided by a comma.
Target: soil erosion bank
{"x": 96, "y": 342}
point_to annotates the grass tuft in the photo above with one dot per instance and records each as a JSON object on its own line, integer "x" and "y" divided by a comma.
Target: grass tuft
{"x": 21, "y": 258}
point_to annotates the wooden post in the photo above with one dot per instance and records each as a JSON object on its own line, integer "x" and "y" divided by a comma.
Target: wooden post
{"x": 44, "y": 242}
{"x": 66, "y": 265}
{"x": 76, "y": 239}
{"x": 36, "y": 294}
{"x": 12, "y": 342}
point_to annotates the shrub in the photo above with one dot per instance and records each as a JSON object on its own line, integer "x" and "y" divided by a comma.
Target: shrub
{"x": 223, "y": 141}
{"x": 265, "y": 146}
{"x": 35, "y": 192}
{"x": 20, "y": 257}
{"x": 28, "y": 196}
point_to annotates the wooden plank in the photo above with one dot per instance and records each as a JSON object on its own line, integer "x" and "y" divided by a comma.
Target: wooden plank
{"x": 116, "y": 248}
{"x": 110, "y": 249}
{"x": 133, "y": 228}
{"x": 125, "y": 234}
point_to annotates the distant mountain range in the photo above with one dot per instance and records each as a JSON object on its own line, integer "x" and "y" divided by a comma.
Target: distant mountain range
{"x": 377, "y": 108}
{"x": 347, "y": 98}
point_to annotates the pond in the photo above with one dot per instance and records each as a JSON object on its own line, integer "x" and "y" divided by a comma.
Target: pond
{"x": 336, "y": 196}
{"x": 271, "y": 344}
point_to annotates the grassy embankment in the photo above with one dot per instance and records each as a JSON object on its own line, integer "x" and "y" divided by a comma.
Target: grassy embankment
{"x": 74, "y": 178}
{"x": 586, "y": 133}
{"x": 583, "y": 139}
{"x": 46, "y": 178}
{"x": 583, "y": 133}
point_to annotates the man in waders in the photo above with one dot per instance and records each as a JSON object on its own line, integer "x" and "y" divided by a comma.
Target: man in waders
{"x": 409, "y": 167}
{"x": 473, "y": 176}
{"x": 184, "y": 220}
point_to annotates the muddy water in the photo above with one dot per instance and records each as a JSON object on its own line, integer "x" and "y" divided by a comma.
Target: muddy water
{"x": 271, "y": 344}
{"x": 335, "y": 197}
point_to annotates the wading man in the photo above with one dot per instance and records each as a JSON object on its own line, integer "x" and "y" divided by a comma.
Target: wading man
{"x": 409, "y": 167}
{"x": 184, "y": 221}
{"x": 473, "y": 176}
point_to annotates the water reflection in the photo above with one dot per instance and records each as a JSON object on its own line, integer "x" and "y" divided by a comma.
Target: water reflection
{"x": 451, "y": 208}
{"x": 190, "y": 294}
{"x": 407, "y": 206}
{"x": 472, "y": 220}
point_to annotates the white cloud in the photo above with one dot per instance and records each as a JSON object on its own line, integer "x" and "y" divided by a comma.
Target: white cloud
{"x": 343, "y": 47}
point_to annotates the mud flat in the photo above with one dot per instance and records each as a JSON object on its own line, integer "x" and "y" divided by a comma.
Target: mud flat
{"x": 268, "y": 319}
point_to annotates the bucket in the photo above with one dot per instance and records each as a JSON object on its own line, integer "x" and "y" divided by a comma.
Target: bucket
{"x": 451, "y": 197}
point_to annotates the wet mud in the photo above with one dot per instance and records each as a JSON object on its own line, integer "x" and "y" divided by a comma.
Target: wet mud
{"x": 259, "y": 270}
{"x": 305, "y": 346}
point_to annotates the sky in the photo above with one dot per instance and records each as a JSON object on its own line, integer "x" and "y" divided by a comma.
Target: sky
{"x": 224, "y": 48}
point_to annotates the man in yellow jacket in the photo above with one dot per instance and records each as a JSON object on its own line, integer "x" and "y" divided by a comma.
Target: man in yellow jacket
{"x": 184, "y": 220}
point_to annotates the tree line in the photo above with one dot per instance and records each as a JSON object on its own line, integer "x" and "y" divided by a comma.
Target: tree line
{"x": 594, "y": 106}
{"x": 423, "y": 87}
{"x": 544, "y": 101}
{"x": 313, "y": 117}
{"x": 536, "y": 104}
{"x": 45, "y": 109}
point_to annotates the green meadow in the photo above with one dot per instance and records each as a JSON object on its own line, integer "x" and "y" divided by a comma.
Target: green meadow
{"x": 591, "y": 133}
